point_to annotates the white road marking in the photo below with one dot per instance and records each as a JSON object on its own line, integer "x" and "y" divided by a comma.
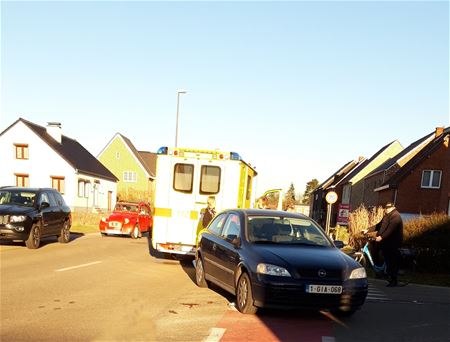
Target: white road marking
{"x": 376, "y": 294}
{"x": 78, "y": 266}
{"x": 215, "y": 335}
{"x": 328, "y": 339}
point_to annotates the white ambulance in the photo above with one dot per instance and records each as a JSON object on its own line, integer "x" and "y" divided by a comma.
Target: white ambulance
{"x": 185, "y": 178}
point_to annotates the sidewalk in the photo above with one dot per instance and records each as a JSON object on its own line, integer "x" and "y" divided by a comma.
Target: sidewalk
{"x": 414, "y": 293}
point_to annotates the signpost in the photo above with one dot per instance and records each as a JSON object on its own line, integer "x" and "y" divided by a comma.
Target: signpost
{"x": 331, "y": 198}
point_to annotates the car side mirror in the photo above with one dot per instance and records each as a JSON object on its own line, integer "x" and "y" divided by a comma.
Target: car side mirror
{"x": 44, "y": 205}
{"x": 339, "y": 244}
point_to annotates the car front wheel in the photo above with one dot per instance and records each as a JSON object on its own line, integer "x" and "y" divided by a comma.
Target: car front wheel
{"x": 135, "y": 232}
{"x": 34, "y": 239}
{"x": 244, "y": 295}
{"x": 64, "y": 237}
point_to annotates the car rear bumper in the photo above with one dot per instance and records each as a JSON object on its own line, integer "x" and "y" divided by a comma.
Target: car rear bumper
{"x": 295, "y": 296}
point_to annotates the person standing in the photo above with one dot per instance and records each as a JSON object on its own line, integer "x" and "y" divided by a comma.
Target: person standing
{"x": 210, "y": 211}
{"x": 390, "y": 237}
{"x": 206, "y": 215}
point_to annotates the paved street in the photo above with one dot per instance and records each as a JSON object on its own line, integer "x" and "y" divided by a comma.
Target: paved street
{"x": 109, "y": 289}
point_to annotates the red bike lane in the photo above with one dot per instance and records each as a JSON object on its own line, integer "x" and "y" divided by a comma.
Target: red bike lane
{"x": 276, "y": 326}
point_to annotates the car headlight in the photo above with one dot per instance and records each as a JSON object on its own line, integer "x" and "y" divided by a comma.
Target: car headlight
{"x": 358, "y": 273}
{"x": 272, "y": 270}
{"x": 17, "y": 218}
{"x": 126, "y": 221}
{"x": 104, "y": 219}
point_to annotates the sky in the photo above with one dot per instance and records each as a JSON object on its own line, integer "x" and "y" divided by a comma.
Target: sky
{"x": 298, "y": 89}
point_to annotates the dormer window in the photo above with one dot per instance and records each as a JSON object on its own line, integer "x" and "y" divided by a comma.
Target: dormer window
{"x": 21, "y": 151}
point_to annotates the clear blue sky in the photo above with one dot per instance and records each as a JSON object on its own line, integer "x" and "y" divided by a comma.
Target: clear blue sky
{"x": 297, "y": 88}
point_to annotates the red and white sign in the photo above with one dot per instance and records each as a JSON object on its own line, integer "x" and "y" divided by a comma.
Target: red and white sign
{"x": 343, "y": 213}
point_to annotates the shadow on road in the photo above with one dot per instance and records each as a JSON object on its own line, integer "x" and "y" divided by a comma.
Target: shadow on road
{"x": 44, "y": 241}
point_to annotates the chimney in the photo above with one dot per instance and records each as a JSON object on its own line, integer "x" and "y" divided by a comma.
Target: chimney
{"x": 54, "y": 130}
{"x": 439, "y": 131}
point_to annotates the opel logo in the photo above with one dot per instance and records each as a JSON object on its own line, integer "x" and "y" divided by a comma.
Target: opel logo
{"x": 322, "y": 273}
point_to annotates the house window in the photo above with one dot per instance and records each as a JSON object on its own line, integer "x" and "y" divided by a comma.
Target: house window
{"x": 21, "y": 151}
{"x": 431, "y": 179}
{"x": 58, "y": 183}
{"x": 129, "y": 177}
{"x": 209, "y": 180}
{"x": 83, "y": 188}
{"x": 117, "y": 155}
{"x": 22, "y": 179}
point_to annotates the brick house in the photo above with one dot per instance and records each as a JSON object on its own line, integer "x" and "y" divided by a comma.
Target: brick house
{"x": 422, "y": 185}
{"x": 350, "y": 187}
{"x": 386, "y": 170}
{"x": 318, "y": 206}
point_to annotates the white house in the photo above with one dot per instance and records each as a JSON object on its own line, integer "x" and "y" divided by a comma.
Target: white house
{"x": 36, "y": 156}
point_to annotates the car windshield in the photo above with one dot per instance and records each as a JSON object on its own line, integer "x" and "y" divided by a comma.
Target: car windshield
{"x": 285, "y": 230}
{"x": 24, "y": 198}
{"x": 129, "y": 207}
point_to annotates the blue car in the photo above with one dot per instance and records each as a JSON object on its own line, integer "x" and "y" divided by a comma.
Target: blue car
{"x": 278, "y": 259}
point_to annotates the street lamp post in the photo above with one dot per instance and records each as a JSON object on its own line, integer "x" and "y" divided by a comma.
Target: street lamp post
{"x": 180, "y": 91}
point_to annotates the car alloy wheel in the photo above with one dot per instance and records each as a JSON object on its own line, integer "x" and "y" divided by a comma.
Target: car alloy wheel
{"x": 34, "y": 238}
{"x": 200, "y": 273}
{"x": 65, "y": 233}
{"x": 244, "y": 296}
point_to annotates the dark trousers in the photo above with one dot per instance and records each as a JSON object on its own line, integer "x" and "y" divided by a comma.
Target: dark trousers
{"x": 392, "y": 259}
{"x": 375, "y": 252}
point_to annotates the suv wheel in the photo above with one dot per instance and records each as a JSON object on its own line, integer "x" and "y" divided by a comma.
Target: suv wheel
{"x": 34, "y": 239}
{"x": 64, "y": 237}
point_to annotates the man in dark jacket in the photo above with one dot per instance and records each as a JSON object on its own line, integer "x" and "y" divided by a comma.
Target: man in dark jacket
{"x": 389, "y": 237}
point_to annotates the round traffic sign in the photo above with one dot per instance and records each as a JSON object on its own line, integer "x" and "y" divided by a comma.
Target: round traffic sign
{"x": 331, "y": 197}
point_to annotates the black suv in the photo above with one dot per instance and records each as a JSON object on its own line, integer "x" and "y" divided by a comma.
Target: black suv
{"x": 28, "y": 214}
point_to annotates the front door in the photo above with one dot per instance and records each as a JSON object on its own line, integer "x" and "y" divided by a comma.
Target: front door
{"x": 48, "y": 217}
{"x": 144, "y": 218}
{"x": 226, "y": 252}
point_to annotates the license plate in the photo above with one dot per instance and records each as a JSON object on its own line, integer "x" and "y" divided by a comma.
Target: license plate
{"x": 324, "y": 289}
{"x": 116, "y": 225}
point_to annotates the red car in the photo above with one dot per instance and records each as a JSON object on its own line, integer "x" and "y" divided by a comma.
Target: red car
{"x": 128, "y": 218}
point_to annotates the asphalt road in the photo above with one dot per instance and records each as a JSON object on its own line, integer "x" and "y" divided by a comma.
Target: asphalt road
{"x": 109, "y": 289}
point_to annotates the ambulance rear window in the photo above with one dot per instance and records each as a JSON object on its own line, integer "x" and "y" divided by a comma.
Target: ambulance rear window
{"x": 209, "y": 180}
{"x": 183, "y": 177}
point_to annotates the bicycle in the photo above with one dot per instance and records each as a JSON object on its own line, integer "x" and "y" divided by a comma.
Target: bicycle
{"x": 407, "y": 261}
